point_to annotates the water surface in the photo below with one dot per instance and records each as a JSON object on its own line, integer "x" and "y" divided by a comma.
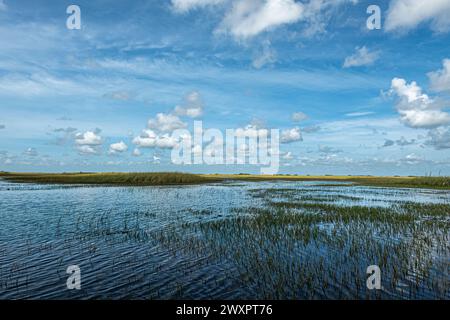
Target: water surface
{"x": 178, "y": 242}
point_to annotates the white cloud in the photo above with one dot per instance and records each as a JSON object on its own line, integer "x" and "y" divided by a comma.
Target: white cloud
{"x": 252, "y": 131}
{"x": 291, "y": 135}
{"x": 88, "y": 138}
{"x": 299, "y": 116}
{"x": 165, "y": 123}
{"x": 412, "y": 159}
{"x": 440, "y": 80}
{"x": 362, "y": 57}
{"x": 156, "y": 160}
{"x": 408, "y": 14}
{"x": 85, "y": 150}
{"x": 248, "y": 18}
{"x": 88, "y": 142}
{"x": 193, "y": 106}
{"x": 118, "y": 147}
{"x": 137, "y": 152}
{"x": 183, "y": 6}
{"x": 149, "y": 139}
{"x": 416, "y": 109}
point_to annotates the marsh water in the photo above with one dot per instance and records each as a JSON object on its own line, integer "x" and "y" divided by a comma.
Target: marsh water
{"x": 234, "y": 240}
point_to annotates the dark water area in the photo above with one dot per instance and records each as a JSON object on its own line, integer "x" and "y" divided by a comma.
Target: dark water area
{"x": 216, "y": 242}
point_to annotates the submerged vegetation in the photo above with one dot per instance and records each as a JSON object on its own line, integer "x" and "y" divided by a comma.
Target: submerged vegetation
{"x": 172, "y": 178}
{"x": 291, "y": 250}
{"x": 227, "y": 241}
{"x": 398, "y": 181}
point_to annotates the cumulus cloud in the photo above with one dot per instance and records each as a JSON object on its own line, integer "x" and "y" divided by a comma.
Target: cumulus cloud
{"x": 192, "y": 107}
{"x": 412, "y": 159}
{"x": 417, "y": 109}
{"x": 362, "y": 57}
{"x": 86, "y": 150}
{"x": 89, "y": 138}
{"x": 405, "y": 15}
{"x": 166, "y": 123}
{"x": 440, "y": 80}
{"x": 299, "y": 116}
{"x": 118, "y": 147}
{"x": 137, "y": 152}
{"x": 291, "y": 135}
{"x": 159, "y": 129}
{"x": 88, "y": 142}
{"x": 183, "y": 6}
{"x": 156, "y": 160}
{"x": 150, "y": 139}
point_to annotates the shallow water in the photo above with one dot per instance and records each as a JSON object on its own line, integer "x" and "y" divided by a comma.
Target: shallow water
{"x": 159, "y": 243}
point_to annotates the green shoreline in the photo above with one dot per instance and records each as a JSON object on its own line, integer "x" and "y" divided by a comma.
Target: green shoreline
{"x": 176, "y": 178}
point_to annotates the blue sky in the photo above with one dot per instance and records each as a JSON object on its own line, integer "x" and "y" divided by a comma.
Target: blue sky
{"x": 366, "y": 101}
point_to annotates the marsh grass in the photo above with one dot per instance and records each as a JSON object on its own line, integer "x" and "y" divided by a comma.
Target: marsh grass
{"x": 122, "y": 179}
{"x": 174, "y": 178}
{"x": 292, "y": 250}
{"x": 392, "y": 182}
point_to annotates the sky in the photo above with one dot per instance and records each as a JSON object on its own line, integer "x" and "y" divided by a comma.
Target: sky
{"x": 347, "y": 99}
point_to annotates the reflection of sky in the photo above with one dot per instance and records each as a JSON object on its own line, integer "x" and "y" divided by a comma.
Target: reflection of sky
{"x": 131, "y": 61}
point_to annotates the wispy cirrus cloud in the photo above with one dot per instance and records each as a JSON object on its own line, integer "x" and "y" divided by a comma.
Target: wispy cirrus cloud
{"x": 244, "y": 19}
{"x": 362, "y": 57}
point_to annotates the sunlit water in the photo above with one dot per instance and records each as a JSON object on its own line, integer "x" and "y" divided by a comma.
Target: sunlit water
{"x": 118, "y": 237}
